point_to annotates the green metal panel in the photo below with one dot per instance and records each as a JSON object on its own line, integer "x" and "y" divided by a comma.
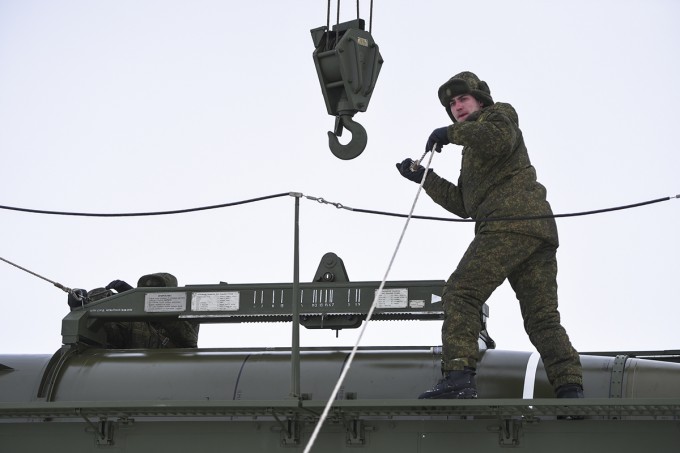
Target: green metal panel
{"x": 380, "y": 436}
{"x": 397, "y": 373}
{"x": 86, "y": 399}
{"x": 375, "y": 426}
{"x": 327, "y": 304}
{"x": 175, "y": 400}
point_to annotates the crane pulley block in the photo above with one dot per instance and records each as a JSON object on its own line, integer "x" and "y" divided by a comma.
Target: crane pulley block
{"x": 348, "y": 63}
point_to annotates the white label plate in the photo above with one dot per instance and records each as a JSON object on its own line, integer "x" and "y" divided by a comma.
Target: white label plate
{"x": 215, "y": 301}
{"x": 393, "y": 298}
{"x": 165, "y": 302}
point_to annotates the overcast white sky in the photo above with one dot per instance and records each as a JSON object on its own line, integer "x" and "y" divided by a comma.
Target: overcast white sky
{"x": 128, "y": 106}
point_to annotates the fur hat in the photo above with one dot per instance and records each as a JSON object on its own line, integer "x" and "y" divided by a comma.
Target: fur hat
{"x": 464, "y": 83}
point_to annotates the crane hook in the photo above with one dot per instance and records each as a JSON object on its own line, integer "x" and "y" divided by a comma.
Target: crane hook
{"x": 355, "y": 146}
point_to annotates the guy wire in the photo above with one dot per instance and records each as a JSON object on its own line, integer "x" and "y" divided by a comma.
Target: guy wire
{"x": 58, "y": 285}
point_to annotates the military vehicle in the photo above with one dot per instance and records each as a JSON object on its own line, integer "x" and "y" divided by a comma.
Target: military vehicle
{"x": 87, "y": 397}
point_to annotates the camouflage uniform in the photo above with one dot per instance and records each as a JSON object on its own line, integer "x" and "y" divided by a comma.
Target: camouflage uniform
{"x": 149, "y": 335}
{"x": 497, "y": 180}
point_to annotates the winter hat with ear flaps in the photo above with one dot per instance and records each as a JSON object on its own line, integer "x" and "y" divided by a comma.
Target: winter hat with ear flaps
{"x": 464, "y": 83}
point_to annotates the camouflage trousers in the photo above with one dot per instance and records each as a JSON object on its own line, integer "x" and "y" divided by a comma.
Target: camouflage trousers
{"x": 530, "y": 266}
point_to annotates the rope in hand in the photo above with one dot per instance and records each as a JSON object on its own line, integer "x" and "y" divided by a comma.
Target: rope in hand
{"x": 416, "y": 163}
{"x": 378, "y": 293}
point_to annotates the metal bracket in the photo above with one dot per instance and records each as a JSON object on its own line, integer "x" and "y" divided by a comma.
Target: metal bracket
{"x": 290, "y": 430}
{"x": 331, "y": 269}
{"x": 290, "y": 436}
{"x": 355, "y": 432}
{"x": 616, "y": 380}
{"x": 103, "y": 430}
{"x": 509, "y": 432}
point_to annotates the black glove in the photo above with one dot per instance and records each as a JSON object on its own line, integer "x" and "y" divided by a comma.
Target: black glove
{"x": 405, "y": 169}
{"x": 119, "y": 286}
{"x": 438, "y": 138}
{"x": 77, "y": 298}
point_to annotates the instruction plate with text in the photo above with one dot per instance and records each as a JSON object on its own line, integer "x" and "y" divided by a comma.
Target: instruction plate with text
{"x": 393, "y": 298}
{"x": 215, "y": 301}
{"x": 165, "y": 302}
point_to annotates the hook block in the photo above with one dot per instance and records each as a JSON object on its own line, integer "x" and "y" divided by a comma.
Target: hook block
{"x": 348, "y": 63}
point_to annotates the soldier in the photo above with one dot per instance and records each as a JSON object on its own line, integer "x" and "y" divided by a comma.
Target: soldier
{"x": 496, "y": 180}
{"x": 139, "y": 334}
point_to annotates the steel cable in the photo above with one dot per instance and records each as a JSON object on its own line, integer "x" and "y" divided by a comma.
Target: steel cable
{"x": 142, "y": 214}
{"x": 337, "y": 205}
{"x": 534, "y": 217}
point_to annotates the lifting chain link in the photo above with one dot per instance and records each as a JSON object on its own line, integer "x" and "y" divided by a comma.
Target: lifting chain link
{"x": 322, "y": 201}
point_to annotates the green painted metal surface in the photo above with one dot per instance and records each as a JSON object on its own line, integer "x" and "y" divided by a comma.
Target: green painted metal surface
{"x": 85, "y": 398}
{"x": 332, "y": 305}
{"x": 375, "y": 426}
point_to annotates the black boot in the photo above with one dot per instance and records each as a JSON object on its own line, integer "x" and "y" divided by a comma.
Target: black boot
{"x": 459, "y": 384}
{"x": 569, "y": 391}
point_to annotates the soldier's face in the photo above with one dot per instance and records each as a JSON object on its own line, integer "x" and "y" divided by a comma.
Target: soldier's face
{"x": 463, "y": 105}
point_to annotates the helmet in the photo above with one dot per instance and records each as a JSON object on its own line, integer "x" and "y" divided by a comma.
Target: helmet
{"x": 464, "y": 83}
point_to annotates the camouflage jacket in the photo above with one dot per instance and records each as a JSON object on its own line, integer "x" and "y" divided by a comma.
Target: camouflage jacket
{"x": 496, "y": 176}
{"x": 168, "y": 334}
{"x": 139, "y": 334}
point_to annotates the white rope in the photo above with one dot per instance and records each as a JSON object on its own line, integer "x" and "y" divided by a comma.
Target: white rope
{"x": 348, "y": 364}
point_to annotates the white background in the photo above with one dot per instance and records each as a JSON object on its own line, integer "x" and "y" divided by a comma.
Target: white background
{"x": 129, "y": 106}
